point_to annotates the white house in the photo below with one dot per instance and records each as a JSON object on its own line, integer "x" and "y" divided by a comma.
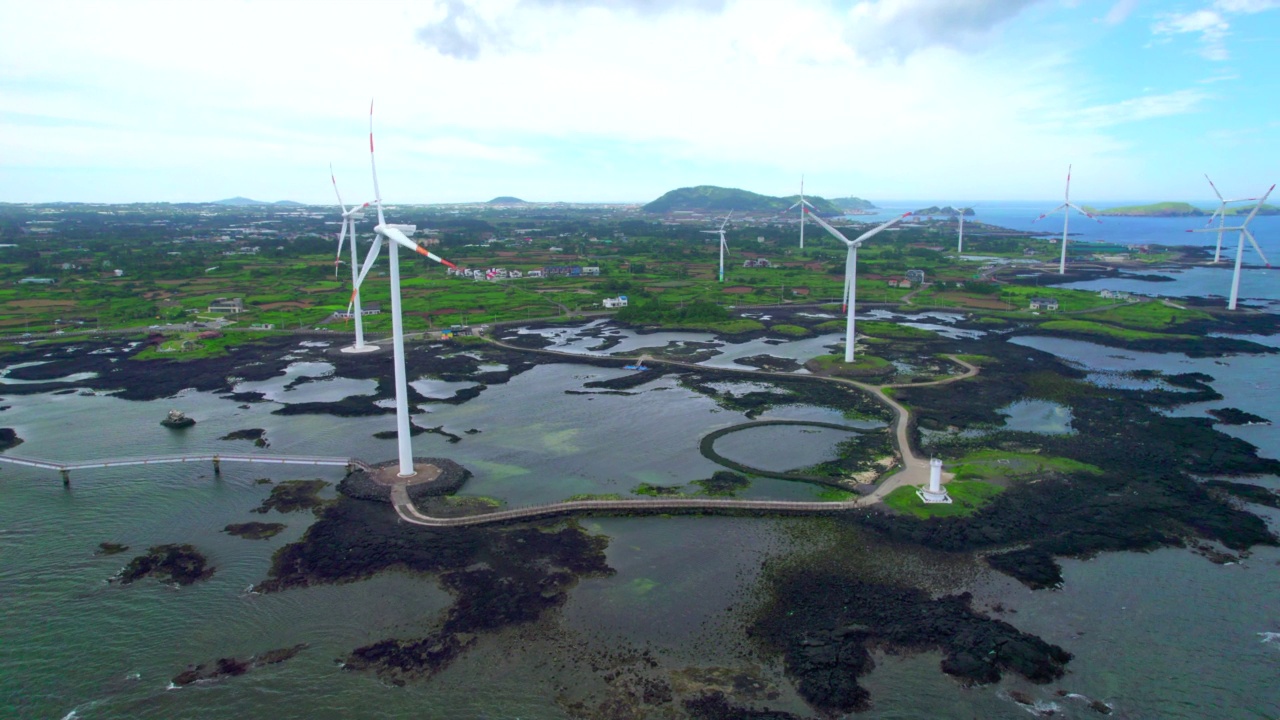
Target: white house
{"x": 618, "y": 302}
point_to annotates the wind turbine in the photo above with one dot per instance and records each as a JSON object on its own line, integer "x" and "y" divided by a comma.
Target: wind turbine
{"x": 960, "y": 241}
{"x": 802, "y": 204}
{"x": 1221, "y": 214}
{"x": 851, "y": 275}
{"x": 394, "y": 235}
{"x": 349, "y": 226}
{"x": 1066, "y": 207}
{"x": 723, "y": 246}
{"x": 1243, "y": 228}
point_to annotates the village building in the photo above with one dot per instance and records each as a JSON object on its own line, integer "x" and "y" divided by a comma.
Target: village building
{"x": 618, "y": 302}
{"x": 227, "y": 305}
{"x": 1043, "y": 303}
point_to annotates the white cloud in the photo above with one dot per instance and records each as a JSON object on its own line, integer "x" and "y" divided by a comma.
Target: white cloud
{"x": 1211, "y": 23}
{"x": 897, "y": 28}
{"x": 1137, "y": 109}
{"x": 1120, "y": 11}
{"x": 578, "y": 101}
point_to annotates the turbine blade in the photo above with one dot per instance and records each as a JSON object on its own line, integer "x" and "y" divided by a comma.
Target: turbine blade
{"x": 726, "y": 222}
{"x": 882, "y": 226}
{"x": 377, "y": 194}
{"x": 1254, "y": 243}
{"x": 399, "y": 238}
{"x": 793, "y": 207}
{"x": 1067, "y": 196}
{"x": 1215, "y": 187}
{"x": 341, "y": 237}
{"x": 1049, "y": 212}
{"x": 1216, "y": 213}
{"x": 1084, "y": 212}
{"x": 825, "y": 226}
{"x": 806, "y": 202}
{"x": 335, "y": 190}
{"x": 1257, "y": 207}
{"x": 355, "y": 210}
{"x": 364, "y": 269}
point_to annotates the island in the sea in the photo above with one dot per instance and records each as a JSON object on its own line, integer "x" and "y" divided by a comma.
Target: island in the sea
{"x": 1176, "y": 209}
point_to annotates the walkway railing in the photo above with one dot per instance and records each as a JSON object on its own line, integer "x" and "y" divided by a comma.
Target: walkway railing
{"x": 216, "y": 458}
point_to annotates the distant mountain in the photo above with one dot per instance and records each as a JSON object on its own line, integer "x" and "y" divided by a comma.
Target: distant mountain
{"x": 854, "y": 203}
{"x": 244, "y": 201}
{"x": 505, "y": 200}
{"x": 709, "y": 198}
{"x": 947, "y": 210}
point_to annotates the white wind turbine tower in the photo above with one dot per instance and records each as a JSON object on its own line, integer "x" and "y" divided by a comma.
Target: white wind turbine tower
{"x": 723, "y": 246}
{"x": 394, "y": 235}
{"x": 960, "y": 241}
{"x": 1066, "y": 208}
{"x": 851, "y": 275}
{"x": 802, "y": 204}
{"x": 1221, "y": 214}
{"x": 1243, "y": 229}
{"x": 349, "y": 227}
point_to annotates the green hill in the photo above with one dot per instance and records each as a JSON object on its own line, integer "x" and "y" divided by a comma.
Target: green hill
{"x": 948, "y": 211}
{"x": 709, "y": 198}
{"x": 856, "y": 204}
{"x": 1164, "y": 209}
{"x": 1246, "y": 209}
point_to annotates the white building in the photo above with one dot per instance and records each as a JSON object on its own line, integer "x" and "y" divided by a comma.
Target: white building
{"x": 613, "y": 303}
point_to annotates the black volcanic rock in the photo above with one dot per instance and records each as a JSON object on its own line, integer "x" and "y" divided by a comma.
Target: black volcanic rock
{"x": 9, "y": 438}
{"x": 181, "y": 564}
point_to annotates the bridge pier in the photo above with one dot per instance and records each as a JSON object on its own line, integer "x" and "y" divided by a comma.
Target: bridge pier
{"x": 66, "y": 477}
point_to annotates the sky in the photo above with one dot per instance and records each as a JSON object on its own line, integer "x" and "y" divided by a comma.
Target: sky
{"x": 623, "y": 100}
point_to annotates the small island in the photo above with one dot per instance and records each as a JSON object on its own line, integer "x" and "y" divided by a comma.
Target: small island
{"x": 1161, "y": 209}
{"x": 176, "y": 420}
{"x": 180, "y": 564}
{"x": 1236, "y": 416}
{"x": 946, "y": 210}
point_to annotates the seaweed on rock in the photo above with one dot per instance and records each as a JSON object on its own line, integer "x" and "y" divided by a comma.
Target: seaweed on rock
{"x": 500, "y": 577}
{"x": 825, "y": 625}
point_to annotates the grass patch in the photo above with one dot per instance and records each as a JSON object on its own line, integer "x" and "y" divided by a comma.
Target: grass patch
{"x": 1086, "y": 327}
{"x": 658, "y": 490}
{"x": 593, "y": 496}
{"x": 830, "y": 494}
{"x": 727, "y": 327}
{"x": 1001, "y": 465}
{"x": 789, "y": 330}
{"x": 1149, "y": 316}
{"x": 862, "y": 366}
{"x": 966, "y": 497}
{"x": 976, "y": 359}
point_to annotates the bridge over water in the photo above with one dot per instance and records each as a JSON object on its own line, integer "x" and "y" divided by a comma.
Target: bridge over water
{"x": 216, "y": 458}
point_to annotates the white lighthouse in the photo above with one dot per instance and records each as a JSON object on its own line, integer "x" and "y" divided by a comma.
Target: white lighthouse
{"x": 935, "y": 493}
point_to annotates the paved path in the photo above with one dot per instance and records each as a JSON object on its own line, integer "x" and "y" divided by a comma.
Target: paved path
{"x": 915, "y": 469}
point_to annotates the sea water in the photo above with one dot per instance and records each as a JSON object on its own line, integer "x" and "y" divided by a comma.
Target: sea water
{"x": 1163, "y": 634}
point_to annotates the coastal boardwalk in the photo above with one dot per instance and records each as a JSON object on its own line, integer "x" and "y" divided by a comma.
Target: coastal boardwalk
{"x": 217, "y": 459}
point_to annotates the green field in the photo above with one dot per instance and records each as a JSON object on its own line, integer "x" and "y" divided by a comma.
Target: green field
{"x": 1086, "y": 327}
{"x": 966, "y": 497}
{"x": 999, "y": 465}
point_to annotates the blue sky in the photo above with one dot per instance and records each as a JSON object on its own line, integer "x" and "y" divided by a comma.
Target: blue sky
{"x": 622, "y": 100}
